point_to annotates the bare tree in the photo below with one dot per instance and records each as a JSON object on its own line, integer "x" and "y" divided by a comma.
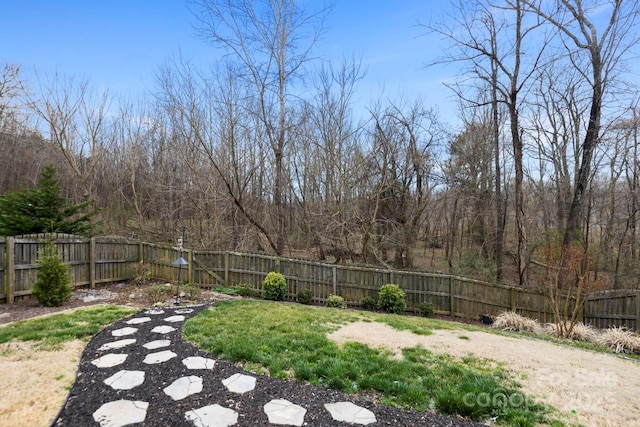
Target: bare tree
{"x": 404, "y": 137}
{"x": 77, "y": 120}
{"x": 11, "y": 87}
{"x": 595, "y": 37}
{"x": 470, "y": 175}
{"x": 490, "y": 38}
{"x": 271, "y": 40}
{"x": 326, "y": 168}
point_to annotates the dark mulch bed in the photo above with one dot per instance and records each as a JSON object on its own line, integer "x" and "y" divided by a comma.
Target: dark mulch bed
{"x": 89, "y": 391}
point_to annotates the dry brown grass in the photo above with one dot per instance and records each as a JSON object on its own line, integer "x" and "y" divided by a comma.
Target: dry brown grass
{"x": 36, "y": 382}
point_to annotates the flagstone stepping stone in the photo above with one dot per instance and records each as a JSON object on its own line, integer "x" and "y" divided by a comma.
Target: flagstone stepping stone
{"x": 159, "y": 357}
{"x": 152, "y": 345}
{"x": 184, "y": 311}
{"x": 125, "y": 380}
{"x": 183, "y": 387}
{"x": 121, "y": 413}
{"x": 154, "y": 312}
{"x": 117, "y": 344}
{"x": 109, "y": 360}
{"x": 283, "y": 412}
{"x": 197, "y": 362}
{"x": 173, "y": 319}
{"x": 138, "y": 320}
{"x": 164, "y": 329}
{"x": 212, "y": 416}
{"x": 124, "y": 331}
{"x": 238, "y": 383}
{"x": 350, "y": 413}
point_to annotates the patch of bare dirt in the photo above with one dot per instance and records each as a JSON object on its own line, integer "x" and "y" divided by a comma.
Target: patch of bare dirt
{"x": 594, "y": 389}
{"x": 129, "y": 294}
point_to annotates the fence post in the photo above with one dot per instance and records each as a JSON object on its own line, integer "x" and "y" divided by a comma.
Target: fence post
{"x": 513, "y": 299}
{"x": 190, "y": 266}
{"x": 335, "y": 280}
{"x": 11, "y": 272}
{"x": 92, "y": 263}
{"x": 226, "y": 268}
{"x": 141, "y": 252}
{"x": 637, "y": 311}
{"x": 452, "y": 303}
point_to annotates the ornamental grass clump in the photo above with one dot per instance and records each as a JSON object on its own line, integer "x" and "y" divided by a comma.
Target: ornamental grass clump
{"x": 619, "y": 340}
{"x": 274, "y": 287}
{"x": 579, "y": 332}
{"x": 391, "y": 299}
{"x": 512, "y": 321}
{"x": 53, "y": 285}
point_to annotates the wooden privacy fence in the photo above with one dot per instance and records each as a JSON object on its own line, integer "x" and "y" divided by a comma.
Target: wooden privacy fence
{"x": 101, "y": 260}
{"x": 91, "y": 261}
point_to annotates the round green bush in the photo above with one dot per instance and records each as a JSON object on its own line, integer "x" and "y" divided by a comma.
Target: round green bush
{"x": 426, "y": 308}
{"x": 368, "y": 303}
{"x": 336, "y": 301}
{"x": 53, "y": 284}
{"x": 391, "y": 299}
{"x": 305, "y": 296}
{"x": 274, "y": 287}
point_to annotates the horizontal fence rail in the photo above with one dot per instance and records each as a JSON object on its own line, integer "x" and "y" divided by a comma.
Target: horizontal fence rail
{"x": 110, "y": 259}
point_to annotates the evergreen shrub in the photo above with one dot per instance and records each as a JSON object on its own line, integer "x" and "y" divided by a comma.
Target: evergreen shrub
{"x": 274, "y": 287}
{"x": 53, "y": 285}
{"x": 391, "y": 299}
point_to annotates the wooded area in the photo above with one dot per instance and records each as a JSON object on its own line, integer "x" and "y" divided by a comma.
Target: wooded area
{"x": 263, "y": 152}
{"x": 93, "y": 261}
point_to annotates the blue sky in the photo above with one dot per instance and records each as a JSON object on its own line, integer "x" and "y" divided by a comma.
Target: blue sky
{"x": 121, "y": 44}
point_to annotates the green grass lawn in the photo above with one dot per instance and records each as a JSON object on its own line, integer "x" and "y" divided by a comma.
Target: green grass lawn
{"x": 289, "y": 341}
{"x": 51, "y": 331}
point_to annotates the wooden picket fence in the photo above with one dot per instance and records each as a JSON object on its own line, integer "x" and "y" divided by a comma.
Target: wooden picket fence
{"x": 110, "y": 259}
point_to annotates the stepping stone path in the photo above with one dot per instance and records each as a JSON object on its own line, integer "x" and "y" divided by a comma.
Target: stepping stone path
{"x": 198, "y": 362}
{"x": 350, "y": 413}
{"x": 238, "y": 383}
{"x": 117, "y": 344}
{"x": 109, "y": 360}
{"x": 163, "y": 329}
{"x": 121, "y": 413}
{"x": 153, "y": 345}
{"x": 138, "y": 320}
{"x": 183, "y": 387}
{"x": 124, "y": 331}
{"x": 159, "y": 357}
{"x": 127, "y": 382}
{"x": 281, "y": 411}
{"x": 212, "y": 416}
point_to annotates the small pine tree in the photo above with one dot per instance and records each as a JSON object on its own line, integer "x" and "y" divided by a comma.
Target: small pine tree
{"x": 53, "y": 285}
{"x": 42, "y": 210}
